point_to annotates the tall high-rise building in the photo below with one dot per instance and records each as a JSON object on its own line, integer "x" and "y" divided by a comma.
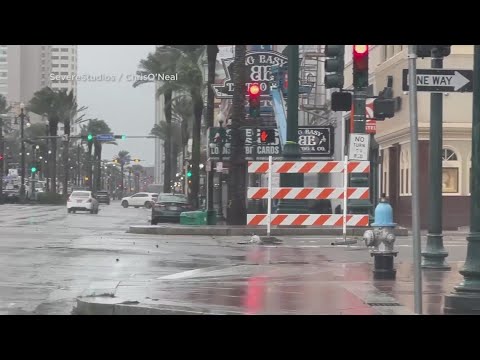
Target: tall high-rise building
{"x": 24, "y": 70}
{"x": 64, "y": 67}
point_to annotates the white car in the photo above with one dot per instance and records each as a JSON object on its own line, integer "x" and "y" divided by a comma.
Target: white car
{"x": 82, "y": 201}
{"x": 140, "y": 199}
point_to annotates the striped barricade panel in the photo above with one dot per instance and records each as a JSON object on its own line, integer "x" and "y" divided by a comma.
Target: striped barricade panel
{"x": 305, "y": 219}
{"x": 308, "y": 193}
{"x": 308, "y": 167}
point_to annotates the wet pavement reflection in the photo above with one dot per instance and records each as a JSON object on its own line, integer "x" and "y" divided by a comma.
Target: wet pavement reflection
{"x": 283, "y": 280}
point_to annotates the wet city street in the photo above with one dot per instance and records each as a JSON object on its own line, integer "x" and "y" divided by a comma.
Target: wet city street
{"x": 49, "y": 258}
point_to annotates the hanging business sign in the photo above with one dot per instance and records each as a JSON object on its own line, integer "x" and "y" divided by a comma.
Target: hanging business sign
{"x": 259, "y": 65}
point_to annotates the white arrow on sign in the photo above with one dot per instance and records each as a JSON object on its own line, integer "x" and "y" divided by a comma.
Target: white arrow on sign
{"x": 456, "y": 80}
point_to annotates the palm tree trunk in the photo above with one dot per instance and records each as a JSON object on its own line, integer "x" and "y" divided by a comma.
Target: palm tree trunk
{"x": 212, "y": 51}
{"x": 167, "y": 172}
{"x": 196, "y": 136}
{"x": 237, "y": 212}
{"x": 53, "y": 163}
{"x": 121, "y": 169}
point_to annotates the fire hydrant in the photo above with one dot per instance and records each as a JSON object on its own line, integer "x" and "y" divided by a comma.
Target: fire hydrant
{"x": 382, "y": 239}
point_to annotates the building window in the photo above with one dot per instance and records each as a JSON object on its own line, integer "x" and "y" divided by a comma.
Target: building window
{"x": 64, "y": 57}
{"x": 64, "y": 50}
{"x": 64, "y": 65}
{"x": 55, "y": 49}
{"x": 54, "y": 57}
{"x": 450, "y": 172}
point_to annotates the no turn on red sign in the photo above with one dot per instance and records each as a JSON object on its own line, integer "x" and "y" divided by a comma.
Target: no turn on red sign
{"x": 359, "y": 147}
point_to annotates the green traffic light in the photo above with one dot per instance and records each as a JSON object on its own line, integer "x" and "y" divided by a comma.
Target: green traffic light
{"x": 189, "y": 174}
{"x": 89, "y": 137}
{"x": 34, "y": 169}
{"x": 124, "y": 137}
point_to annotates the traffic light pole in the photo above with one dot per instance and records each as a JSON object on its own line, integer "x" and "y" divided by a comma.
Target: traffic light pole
{"x": 359, "y": 126}
{"x": 291, "y": 149}
{"x": 435, "y": 254}
{"x": 466, "y": 297}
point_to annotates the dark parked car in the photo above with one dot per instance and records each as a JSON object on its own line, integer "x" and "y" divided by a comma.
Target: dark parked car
{"x": 11, "y": 196}
{"x": 168, "y": 207}
{"x": 103, "y": 197}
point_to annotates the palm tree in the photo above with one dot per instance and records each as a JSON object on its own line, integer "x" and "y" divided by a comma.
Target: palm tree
{"x": 58, "y": 106}
{"x": 182, "y": 113}
{"x": 160, "y": 131}
{"x": 95, "y": 127}
{"x": 162, "y": 61}
{"x": 122, "y": 158}
{"x": 185, "y": 60}
{"x": 237, "y": 179}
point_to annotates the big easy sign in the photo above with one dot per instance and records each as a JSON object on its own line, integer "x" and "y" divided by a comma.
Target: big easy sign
{"x": 259, "y": 65}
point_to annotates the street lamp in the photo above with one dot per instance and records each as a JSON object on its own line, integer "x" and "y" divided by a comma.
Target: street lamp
{"x": 22, "y": 160}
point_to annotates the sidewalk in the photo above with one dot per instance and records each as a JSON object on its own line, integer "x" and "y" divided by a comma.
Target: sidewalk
{"x": 274, "y": 280}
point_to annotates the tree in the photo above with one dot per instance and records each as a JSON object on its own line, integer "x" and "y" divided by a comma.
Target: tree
{"x": 189, "y": 80}
{"x": 162, "y": 61}
{"x": 95, "y": 127}
{"x": 58, "y": 106}
{"x": 160, "y": 131}
{"x": 236, "y": 214}
{"x": 182, "y": 113}
{"x": 122, "y": 158}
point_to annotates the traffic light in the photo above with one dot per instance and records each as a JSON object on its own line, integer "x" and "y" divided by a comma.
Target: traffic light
{"x": 424, "y": 51}
{"x": 1, "y": 157}
{"x": 341, "y": 101}
{"x": 33, "y": 169}
{"x": 334, "y": 66}
{"x": 254, "y": 100}
{"x": 267, "y": 136}
{"x": 360, "y": 66}
{"x": 123, "y": 137}
{"x": 89, "y": 137}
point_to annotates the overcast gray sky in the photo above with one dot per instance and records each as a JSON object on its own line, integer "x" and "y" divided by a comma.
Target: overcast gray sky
{"x": 126, "y": 110}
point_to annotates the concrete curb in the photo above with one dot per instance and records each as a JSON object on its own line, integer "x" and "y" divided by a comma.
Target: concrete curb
{"x": 98, "y": 306}
{"x": 244, "y": 231}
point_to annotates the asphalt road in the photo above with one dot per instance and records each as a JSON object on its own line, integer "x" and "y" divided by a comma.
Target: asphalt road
{"x": 49, "y": 257}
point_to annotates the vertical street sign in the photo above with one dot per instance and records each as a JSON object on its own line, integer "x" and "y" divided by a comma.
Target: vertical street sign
{"x": 359, "y": 147}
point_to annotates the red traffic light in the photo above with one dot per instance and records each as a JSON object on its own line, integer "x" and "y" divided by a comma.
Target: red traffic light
{"x": 360, "y": 50}
{"x": 254, "y": 90}
{"x": 360, "y": 58}
{"x": 1, "y": 157}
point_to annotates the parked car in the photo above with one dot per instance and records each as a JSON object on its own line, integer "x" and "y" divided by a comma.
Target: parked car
{"x": 140, "y": 199}
{"x": 103, "y": 197}
{"x": 11, "y": 196}
{"x": 82, "y": 201}
{"x": 168, "y": 207}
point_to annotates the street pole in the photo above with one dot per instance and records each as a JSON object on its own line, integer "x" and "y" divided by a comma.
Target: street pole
{"x": 220, "y": 175}
{"x": 435, "y": 254}
{"x": 417, "y": 244}
{"x": 359, "y": 124}
{"x": 22, "y": 159}
{"x": 291, "y": 149}
{"x": 2, "y": 160}
{"x": 465, "y": 299}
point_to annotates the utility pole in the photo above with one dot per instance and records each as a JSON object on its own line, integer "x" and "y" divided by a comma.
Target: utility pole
{"x": 435, "y": 254}
{"x": 465, "y": 299}
{"x": 417, "y": 246}
{"x": 2, "y": 160}
{"x": 291, "y": 149}
{"x": 22, "y": 159}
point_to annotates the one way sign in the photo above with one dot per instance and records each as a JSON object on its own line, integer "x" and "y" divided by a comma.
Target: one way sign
{"x": 441, "y": 80}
